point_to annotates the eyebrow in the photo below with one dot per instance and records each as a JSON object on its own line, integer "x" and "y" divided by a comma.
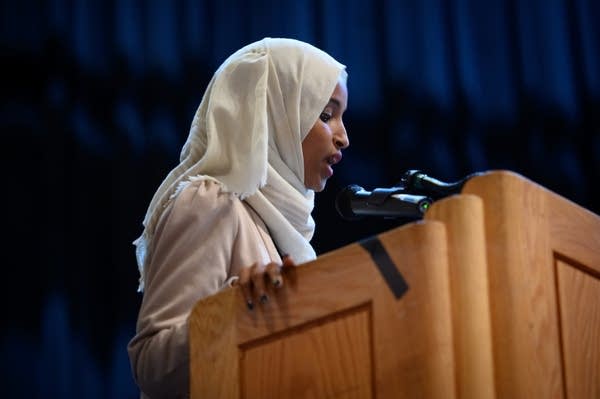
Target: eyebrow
{"x": 336, "y": 102}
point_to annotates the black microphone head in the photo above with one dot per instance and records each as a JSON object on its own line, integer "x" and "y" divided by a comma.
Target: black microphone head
{"x": 343, "y": 202}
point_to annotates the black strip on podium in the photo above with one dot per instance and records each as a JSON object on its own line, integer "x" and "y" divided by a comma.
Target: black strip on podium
{"x": 386, "y": 267}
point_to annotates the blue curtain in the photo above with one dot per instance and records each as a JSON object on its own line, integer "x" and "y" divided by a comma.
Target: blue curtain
{"x": 97, "y": 98}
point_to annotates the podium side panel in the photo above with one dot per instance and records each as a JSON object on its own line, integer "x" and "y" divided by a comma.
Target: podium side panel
{"x": 537, "y": 243}
{"x": 214, "y": 369}
{"x": 579, "y": 306}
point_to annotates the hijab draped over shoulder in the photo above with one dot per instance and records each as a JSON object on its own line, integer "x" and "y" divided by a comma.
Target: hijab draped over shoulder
{"x": 247, "y": 134}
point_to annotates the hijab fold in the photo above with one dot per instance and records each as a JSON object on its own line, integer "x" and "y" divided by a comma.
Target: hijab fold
{"x": 247, "y": 134}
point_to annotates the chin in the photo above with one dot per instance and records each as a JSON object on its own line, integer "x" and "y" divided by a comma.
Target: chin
{"x": 319, "y": 187}
{"x": 316, "y": 187}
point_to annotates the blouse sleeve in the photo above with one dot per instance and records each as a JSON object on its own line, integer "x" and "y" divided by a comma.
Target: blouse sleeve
{"x": 190, "y": 259}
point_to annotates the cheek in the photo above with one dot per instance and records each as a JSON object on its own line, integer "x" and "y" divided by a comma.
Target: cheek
{"x": 305, "y": 152}
{"x": 310, "y": 145}
{"x": 316, "y": 145}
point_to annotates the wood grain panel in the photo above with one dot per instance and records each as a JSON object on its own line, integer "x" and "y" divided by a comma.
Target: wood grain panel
{"x": 579, "y": 304}
{"x": 335, "y": 360}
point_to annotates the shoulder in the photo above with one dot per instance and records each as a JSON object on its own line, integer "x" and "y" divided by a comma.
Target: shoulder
{"x": 205, "y": 200}
{"x": 204, "y": 192}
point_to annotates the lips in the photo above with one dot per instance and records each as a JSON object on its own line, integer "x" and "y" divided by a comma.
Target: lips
{"x": 335, "y": 158}
{"x": 330, "y": 161}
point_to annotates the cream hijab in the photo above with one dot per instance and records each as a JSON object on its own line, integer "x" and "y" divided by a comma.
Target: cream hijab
{"x": 247, "y": 134}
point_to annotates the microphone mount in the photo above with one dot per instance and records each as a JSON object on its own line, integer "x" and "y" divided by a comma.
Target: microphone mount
{"x": 416, "y": 182}
{"x": 410, "y": 199}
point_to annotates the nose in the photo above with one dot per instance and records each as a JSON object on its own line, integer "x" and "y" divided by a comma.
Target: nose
{"x": 340, "y": 138}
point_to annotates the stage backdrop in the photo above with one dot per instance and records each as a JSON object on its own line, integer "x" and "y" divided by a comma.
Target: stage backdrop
{"x": 97, "y": 100}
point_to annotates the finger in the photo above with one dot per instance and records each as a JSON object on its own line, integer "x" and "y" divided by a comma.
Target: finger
{"x": 288, "y": 269}
{"x": 287, "y": 261}
{"x": 258, "y": 281}
{"x": 273, "y": 272}
{"x": 245, "y": 282}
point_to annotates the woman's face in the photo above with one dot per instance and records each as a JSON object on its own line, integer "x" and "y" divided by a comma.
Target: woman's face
{"x": 322, "y": 147}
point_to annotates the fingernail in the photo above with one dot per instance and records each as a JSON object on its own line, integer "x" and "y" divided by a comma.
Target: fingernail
{"x": 264, "y": 298}
{"x": 287, "y": 261}
{"x": 250, "y": 305}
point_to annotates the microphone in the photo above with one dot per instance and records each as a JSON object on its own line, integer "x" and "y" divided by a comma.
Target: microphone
{"x": 354, "y": 202}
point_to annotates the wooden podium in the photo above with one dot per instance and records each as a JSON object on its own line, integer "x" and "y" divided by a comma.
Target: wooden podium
{"x": 495, "y": 294}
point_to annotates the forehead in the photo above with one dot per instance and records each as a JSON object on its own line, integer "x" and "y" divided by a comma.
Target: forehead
{"x": 340, "y": 94}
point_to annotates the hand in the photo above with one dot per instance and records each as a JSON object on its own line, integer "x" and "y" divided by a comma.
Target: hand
{"x": 254, "y": 280}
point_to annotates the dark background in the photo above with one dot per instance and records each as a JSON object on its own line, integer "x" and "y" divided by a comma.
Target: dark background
{"x": 98, "y": 97}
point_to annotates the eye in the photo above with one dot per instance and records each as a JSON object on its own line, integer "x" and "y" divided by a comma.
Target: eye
{"x": 325, "y": 116}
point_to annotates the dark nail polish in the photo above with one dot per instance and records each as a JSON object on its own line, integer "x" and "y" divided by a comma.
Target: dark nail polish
{"x": 264, "y": 298}
{"x": 250, "y": 305}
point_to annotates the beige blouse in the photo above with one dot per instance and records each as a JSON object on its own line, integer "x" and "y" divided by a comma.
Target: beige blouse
{"x": 202, "y": 240}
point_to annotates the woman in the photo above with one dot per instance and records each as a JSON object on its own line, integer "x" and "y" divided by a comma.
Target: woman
{"x": 264, "y": 139}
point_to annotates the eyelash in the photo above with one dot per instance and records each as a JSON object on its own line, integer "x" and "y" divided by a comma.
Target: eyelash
{"x": 325, "y": 117}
